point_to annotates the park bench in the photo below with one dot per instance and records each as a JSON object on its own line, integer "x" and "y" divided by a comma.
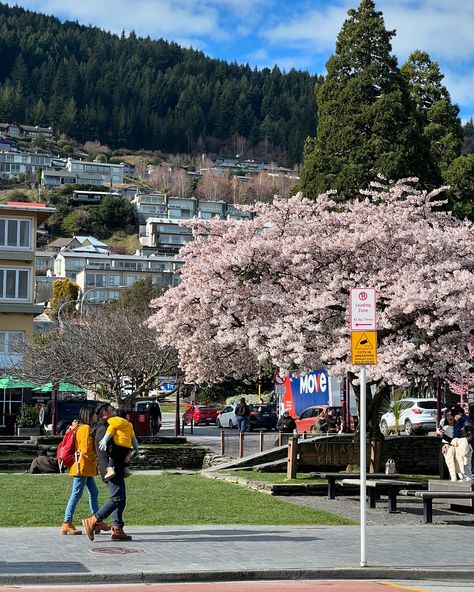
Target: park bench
{"x": 429, "y": 496}
{"x": 390, "y": 487}
{"x": 332, "y": 477}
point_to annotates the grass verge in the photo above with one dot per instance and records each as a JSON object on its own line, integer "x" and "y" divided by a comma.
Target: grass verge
{"x": 155, "y": 500}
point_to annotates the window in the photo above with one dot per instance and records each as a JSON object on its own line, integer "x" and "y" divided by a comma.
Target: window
{"x": 95, "y": 279}
{"x": 12, "y": 345}
{"x": 114, "y": 280}
{"x": 15, "y": 232}
{"x": 14, "y": 284}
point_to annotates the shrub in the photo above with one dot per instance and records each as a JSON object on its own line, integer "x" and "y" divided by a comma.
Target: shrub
{"x": 28, "y": 417}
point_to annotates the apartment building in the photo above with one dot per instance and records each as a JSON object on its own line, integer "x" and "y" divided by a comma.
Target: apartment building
{"x": 18, "y": 227}
{"x": 101, "y": 276}
{"x": 31, "y": 132}
{"x": 112, "y": 173}
{"x": 13, "y": 164}
{"x": 159, "y": 217}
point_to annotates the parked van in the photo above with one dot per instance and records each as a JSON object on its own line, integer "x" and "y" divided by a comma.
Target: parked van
{"x": 67, "y": 411}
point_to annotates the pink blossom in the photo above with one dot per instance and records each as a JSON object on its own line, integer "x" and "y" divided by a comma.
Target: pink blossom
{"x": 276, "y": 288}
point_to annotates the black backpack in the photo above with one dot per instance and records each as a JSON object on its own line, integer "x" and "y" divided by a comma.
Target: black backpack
{"x": 241, "y": 409}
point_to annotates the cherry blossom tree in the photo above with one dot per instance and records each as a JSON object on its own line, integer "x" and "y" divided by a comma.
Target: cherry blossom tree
{"x": 276, "y": 289}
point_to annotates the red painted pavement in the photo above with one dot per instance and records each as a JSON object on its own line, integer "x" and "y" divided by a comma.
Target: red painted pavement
{"x": 286, "y": 586}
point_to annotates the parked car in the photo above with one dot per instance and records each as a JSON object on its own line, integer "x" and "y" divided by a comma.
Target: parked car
{"x": 308, "y": 418}
{"x": 262, "y": 416}
{"x": 227, "y": 417}
{"x": 67, "y": 411}
{"x": 416, "y": 416}
{"x": 200, "y": 414}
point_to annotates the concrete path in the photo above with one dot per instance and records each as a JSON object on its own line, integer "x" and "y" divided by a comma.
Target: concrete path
{"x": 227, "y": 553}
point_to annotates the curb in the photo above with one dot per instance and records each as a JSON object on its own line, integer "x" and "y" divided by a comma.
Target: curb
{"x": 345, "y": 573}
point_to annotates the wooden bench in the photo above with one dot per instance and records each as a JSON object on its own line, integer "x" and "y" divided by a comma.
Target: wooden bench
{"x": 390, "y": 487}
{"x": 429, "y": 496}
{"x": 332, "y": 477}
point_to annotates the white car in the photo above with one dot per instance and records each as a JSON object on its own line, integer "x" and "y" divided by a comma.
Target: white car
{"x": 416, "y": 415}
{"x": 227, "y": 417}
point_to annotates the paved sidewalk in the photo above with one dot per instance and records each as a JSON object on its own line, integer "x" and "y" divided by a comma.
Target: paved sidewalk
{"x": 213, "y": 553}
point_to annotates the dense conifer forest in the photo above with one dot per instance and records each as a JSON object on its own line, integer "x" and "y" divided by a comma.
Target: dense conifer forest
{"x": 142, "y": 93}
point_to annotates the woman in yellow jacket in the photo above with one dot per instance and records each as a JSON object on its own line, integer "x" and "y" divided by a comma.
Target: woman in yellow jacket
{"x": 83, "y": 472}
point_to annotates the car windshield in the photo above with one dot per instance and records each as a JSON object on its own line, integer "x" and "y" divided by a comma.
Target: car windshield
{"x": 427, "y": 404}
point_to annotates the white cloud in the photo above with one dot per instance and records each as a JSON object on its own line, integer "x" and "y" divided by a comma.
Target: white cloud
{"x": 316, "y": 28}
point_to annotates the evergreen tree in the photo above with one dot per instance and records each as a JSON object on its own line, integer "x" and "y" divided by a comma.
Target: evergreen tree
{"x": 439, "y": 117}
{"x": 468, "y": 144}
{"x": 141, "y": 93}
{"x": 460, "y": 177}
{"x": 366, "y": 120}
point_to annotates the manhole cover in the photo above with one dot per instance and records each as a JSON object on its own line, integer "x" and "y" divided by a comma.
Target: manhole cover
{"x": 116, "y": 550}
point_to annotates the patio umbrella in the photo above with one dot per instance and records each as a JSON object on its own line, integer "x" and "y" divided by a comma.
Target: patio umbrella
{"x": 64, "y": 387}
{"x": 12, "y": 382}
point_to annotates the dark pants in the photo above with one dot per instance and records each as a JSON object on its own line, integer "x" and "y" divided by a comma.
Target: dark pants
{"x": 115, "y": 505}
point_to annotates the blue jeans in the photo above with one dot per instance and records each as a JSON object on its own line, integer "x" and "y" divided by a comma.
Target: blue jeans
{"x": 78, "y": 484}
{"x": 243, "y": 423}
{"x": 115, "y": 505}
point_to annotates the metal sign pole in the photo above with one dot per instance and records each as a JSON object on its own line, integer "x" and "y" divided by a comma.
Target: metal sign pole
{"x": 363, "y": 465}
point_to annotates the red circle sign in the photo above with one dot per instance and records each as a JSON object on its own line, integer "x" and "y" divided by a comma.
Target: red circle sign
{"x": 362, "y": 295}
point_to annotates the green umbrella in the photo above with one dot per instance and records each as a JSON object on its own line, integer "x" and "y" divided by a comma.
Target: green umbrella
{"x": 12, "y": 382}
{"x": 64, "y": 387}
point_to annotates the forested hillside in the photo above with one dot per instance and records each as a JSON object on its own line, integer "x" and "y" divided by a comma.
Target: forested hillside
{"x": 140, "y": 93}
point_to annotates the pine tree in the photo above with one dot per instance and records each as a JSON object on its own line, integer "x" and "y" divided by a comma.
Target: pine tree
{"x": 367, "y": 124}
{"x": 439, "y": 117}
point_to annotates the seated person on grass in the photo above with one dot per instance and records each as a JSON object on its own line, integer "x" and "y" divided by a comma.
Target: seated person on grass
{"x": 123, "y": 439}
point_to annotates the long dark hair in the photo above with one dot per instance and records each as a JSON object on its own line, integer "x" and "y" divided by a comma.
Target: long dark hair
{"x": 86, "y": 414}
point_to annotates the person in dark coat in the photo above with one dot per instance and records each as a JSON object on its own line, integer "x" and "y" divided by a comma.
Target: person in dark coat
{"x": 242, "y": 411}
{"x": 115, "y": 505}
{"x": 155, "y": 416}
{"x": 286, "y": 423}
{"x": 44, "y": 463}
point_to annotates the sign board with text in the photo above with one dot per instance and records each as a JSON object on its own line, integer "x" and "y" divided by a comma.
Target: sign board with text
{"x": 363, "y": 309}
{"x": 364, "y": 348}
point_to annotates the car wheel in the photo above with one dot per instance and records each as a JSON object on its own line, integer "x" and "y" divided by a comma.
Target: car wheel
{"x": 218, "y": 424}
{"x": 231, "y": 425}
{"x": 44, "y": 416}
{"x": 384, "y": 428}
{"x": 409, "y": 431}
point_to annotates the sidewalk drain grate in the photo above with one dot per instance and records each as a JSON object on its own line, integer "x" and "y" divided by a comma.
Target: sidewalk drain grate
{"x": 116, "y": 550}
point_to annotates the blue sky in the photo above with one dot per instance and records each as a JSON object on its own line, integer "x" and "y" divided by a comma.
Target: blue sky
{"x": 297, "y": 34}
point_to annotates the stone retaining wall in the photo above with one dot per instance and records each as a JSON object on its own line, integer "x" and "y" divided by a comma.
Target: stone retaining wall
{"x": 412, "y": 454}
{"x": 18, "y": 455}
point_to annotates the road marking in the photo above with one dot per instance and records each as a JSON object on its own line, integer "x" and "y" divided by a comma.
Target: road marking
{"x": 400, "y": 587}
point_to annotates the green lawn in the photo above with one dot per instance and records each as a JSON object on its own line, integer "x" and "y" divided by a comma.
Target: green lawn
{"x": 40, "y": 500}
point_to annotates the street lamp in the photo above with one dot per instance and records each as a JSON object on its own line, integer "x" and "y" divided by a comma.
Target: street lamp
{"x": 59, "y": 311}
{"x": 83, "y": 297}
{"x": 92, "y": 290}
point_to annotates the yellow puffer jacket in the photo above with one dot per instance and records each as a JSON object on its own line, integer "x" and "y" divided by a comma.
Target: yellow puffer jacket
{"x": 87, "y": 465}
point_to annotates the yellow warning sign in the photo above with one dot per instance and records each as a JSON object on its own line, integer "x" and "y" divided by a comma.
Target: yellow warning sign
{"x": 364, "y": 348}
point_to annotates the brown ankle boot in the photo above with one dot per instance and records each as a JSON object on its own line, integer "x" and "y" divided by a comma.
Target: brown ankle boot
{"x": 69, "y": 528}
{"x": 119, "y": 535}
{"x": 101, "y": 526}
{"x": 89, "y": 526}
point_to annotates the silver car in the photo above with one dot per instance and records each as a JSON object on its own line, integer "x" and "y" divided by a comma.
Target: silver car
{"x": 416, "y": 416}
